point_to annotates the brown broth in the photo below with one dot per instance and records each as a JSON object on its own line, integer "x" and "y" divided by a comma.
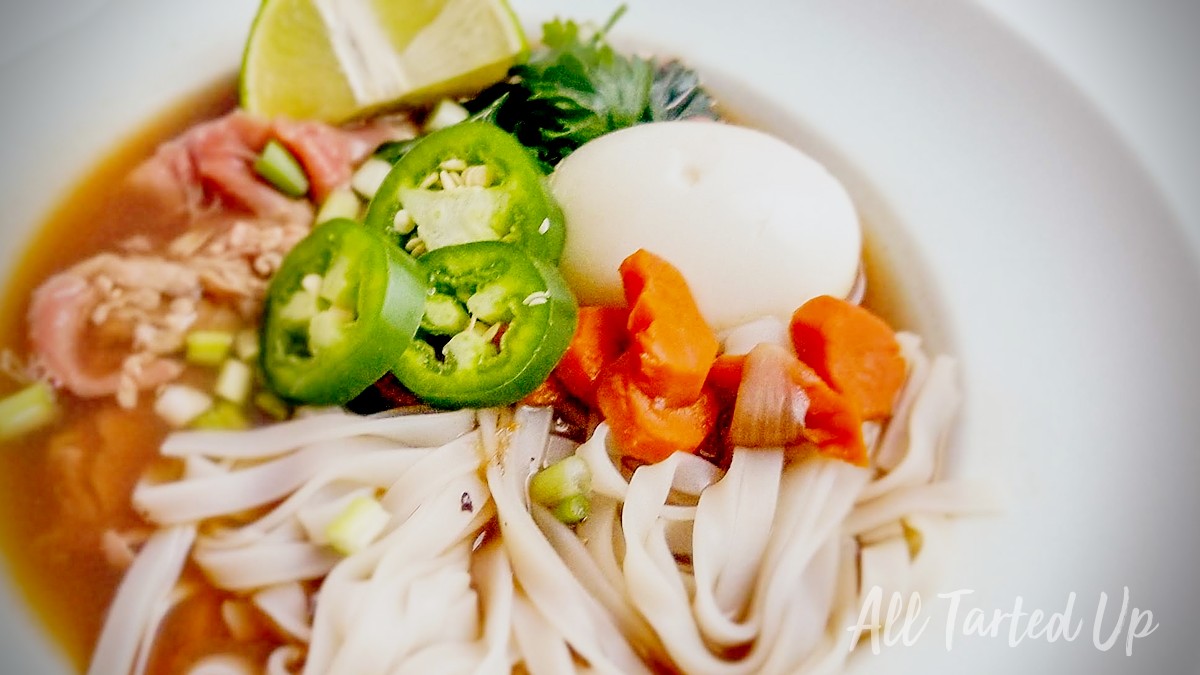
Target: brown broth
{"x": 66, "y": 579}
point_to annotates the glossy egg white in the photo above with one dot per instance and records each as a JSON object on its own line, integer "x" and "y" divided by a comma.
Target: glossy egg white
{"x": 756, "y": 226}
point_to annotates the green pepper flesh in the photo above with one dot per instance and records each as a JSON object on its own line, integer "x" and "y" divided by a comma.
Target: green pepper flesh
{"x": 503, "y": 195}
{"x": 344, "y": 303}
{"x": 530, "y": 319}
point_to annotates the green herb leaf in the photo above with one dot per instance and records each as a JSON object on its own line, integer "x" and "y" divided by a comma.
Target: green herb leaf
{"x": 676, "y": 94}
{"x": 576, "y": 88}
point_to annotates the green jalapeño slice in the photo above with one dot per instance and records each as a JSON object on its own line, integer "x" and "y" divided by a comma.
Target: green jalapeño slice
{"x": 466, "y": 183}
{"x": 344, "y": 304}
{"x": 497, "y": 320}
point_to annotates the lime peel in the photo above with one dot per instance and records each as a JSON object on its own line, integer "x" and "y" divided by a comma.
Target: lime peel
{"x": 334, "y": 60}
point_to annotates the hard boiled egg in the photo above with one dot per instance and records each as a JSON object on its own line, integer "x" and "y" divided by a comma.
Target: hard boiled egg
{"x": 756, "y": 226}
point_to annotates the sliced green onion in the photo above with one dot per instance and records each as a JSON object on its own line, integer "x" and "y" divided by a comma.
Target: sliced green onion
{"x": 208, "y": 347}
{"x": 27, "y": 410}
{"x": 341, "y": 203}
{"x": 246, "y": 344}
{"x": 222, "y": 416}
{"x": 233, "y": 382}
{"x": 180, "y": 404}
{"x": 446, "y": 113}
{"x": 357, "y": 525}
{"x": 280, "y": 168}
{"x": 369, "y": 177}
{"x": 567, "y": 478}
{"x": 272, "y": 406}
{"x": 572, "y": 510}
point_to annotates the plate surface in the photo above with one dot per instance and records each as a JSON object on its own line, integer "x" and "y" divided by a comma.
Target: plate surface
{"x": 1039, "y": 253}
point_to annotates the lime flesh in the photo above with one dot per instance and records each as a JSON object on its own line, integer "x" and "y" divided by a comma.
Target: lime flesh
{"x": 334, "y": 60}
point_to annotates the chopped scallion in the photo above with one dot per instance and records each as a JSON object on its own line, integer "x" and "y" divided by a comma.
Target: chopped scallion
{"x": 208, "y": 347}
{"x": 222, "y": 416}
{"x": 566, "y": 478}
{"x": 180, "y": 404}
{"x": 272, "y": 406}
{"x": 357, "y": 525}
{"x": 369, "y": 177}
{"x": 234, "y": 381}
{"x": 445, "y": 114}
{"x": 341, "y": 203}
{"x": 27, "y": 410}
{"x": 281, "y": 169}
{"x": 573, "y": 509}
{"x": 246, "y": 344}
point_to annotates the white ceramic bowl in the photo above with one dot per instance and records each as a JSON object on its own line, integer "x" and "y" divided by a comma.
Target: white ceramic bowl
{"x": 1035, "y": 249}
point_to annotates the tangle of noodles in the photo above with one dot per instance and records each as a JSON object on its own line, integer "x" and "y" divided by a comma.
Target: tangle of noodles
{"x": 679, "y": 567}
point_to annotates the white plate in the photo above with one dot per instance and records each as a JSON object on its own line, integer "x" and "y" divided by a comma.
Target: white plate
{"x": 1041, "y": 255}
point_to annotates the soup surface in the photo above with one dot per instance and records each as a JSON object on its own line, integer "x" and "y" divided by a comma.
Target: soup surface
{"x": 52, "y": 518}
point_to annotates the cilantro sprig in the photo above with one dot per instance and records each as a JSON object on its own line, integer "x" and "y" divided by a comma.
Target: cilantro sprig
{"x": 575, "y": 87}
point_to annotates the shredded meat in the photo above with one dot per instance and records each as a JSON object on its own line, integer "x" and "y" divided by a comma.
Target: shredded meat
{"x": 138, "y": 303}
{"x": 209, "y": 168}
{"x": 329, "y": 153}
{"x": 150, "y": 303}
{"x": 104, "y": 290}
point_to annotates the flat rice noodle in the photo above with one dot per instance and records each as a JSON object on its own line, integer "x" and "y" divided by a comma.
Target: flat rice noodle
{"x": 550, "y": 585}
{"x": 223, "y": 664}
{"x": 694, "y": 474}
{"x": 744, "y": 338}
{"x": 361, "y": 585}
{"x": 815, "y": 498}
{"x": 141, "y": 603}
{"x": 439, "y": 608}
{"x": 195, "y": 499}
{"x": 889, "y": 530}
{"x": 830, "y": 654}
{"x": 807, "y": 617}
{"x": 368, "y": 471}
{"x": 653, "y": 579}
{"x": 265, "y": 564}
{"x": 444, "y": 658}
{"x": 602, "y": 537}
{"x": 408, "y": 608}
{"x": 239, "y": 618}
{"x": 956, "y": 498}
{"x": 429, "y": 474}
{"x": 894, "y": 445}
{"x": 610, "y": 592}
{"x": 282, "y": 659}
{"x": 933, "y": 533}
{"x": 885, "y": 569}
{"x": 409, "y": 429}
{"x": 325, "y": 506}
{"x": 794, "y": 565}
{"x": 492, "y": 577}
{"x": 542, "y": 648}
{"x": 287, "y": 606}
{"x": 730, "y": 536}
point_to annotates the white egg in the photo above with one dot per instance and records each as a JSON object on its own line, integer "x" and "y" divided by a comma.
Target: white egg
{"x": 756, "y": 226}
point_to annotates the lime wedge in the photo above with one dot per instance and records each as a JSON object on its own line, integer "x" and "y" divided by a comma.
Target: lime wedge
{"x": 334, "y": 60}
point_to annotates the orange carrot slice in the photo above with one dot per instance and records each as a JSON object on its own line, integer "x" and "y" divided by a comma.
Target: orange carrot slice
{"x": 600, "y": 337}
{"x": 646, "y": 427}
{"x": 674, "y": 344}
{"x": 853, "y": 350}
